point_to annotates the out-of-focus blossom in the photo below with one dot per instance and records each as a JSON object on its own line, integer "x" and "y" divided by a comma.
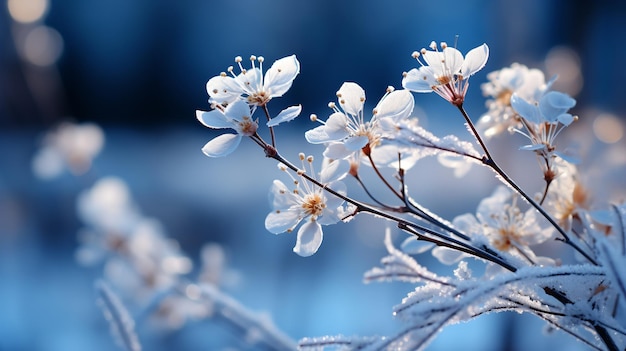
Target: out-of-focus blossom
{"x": 528, "y": 84}
{"x": 70, "y": 146}
{"x": 347, "y": 133}
{"x": 445, "y": 72}
{"x": 251, "y": 85}
{"x": 543, "y": 121}
{"x": 306, "y": 201}
{"x": 138, "y": 257}
{"x": 500, "y": 220}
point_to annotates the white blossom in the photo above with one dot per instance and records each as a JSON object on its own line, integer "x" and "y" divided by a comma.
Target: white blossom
{"x": 445, "y": 72}
{"x": 235, "y": 116}
{"x": 251, "y": 85}
{"x": 307, "y": 202}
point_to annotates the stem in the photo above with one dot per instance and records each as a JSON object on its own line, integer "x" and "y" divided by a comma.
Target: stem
{"x": 489, "y": 161}
{"x": 267, "y": 114}
{"x": 402, "y": 224}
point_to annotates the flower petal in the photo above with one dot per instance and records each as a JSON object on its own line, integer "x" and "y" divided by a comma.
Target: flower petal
{"x": 355, "y": 143}
{"x": 351, "y": 98}
{"x": 222, "y": 145}
{"x": 250, "y": 81}
{"x": 317, "y": 135}
{"x": 280, "y": 76}
{"x": 280, "y": 197}
{"x": 529, "y": 111}
{"x": 418, "y": 81}
{"x": 309, "y": 239}
{"x": 475, "y": 60}
{"x": 238, "y": 110}
{"x": 554, "y": 103}
{"x": 280, "y": 221}
{"x": 396, "y": 105}
{"x": 214, "y": 119}
{"x": 223, "y": 89}
{"x": 285, "y": 115}
{"x": 334, "y": 170}
{"x": 337, "y": 151}
{"x": 337, "y": 126}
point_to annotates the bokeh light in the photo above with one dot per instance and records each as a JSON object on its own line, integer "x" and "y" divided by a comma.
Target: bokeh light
{"x": 42, "y": 46}
{"x": 27, "y": 11}
{"x": 608, "y": 128}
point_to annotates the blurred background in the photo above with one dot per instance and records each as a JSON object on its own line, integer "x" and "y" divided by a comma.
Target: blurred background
{"x": 138, "y": 69}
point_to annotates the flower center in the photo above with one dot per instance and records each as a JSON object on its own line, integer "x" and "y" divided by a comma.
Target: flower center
{"x": 313, "y": 204}
{"x": 259, "y": 98}
{"x": 247, "y": 126}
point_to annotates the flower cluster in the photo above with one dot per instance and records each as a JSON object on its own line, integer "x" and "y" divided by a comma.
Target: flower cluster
{"x": 511, "y": 230}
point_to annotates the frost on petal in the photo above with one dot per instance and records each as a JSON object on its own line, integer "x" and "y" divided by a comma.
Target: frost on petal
{"x": 222, "y": 145}
{"x": 285, "y": 115}
{"x": 337, "y": 126}
{"x": 280, "y": 76}
{"x": 223, "y": 89}
{"x": 475, "y": 60}
{"x": 416, "y": 80}
{"x": 214, "y": 119}
{"x": 351, "y": 98}
{"x": 278, "y": 222}
{"x": 309, "y": 239}
{"x": 397, "y": 105}
{"x": 317, "y": 135}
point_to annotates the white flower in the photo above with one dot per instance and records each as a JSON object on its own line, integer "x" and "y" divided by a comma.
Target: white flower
{"x": 307, "y": 202}
{"x": 236, "y": 116}
{"x": 250, "y": 84}
{"x": 70, "y": 145}
{"x": 529, "y": 84}
{"x": 347, "y": 132}
{"x": 445, "y": 72}
{"x": 500, "y": 220}
{"x": 544, "y": 120}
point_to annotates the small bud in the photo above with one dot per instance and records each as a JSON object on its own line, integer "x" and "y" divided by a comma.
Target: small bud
{"x": 313, "y": 117}
{"x": 238, "y": 59}
{"x": 301, "y": 156}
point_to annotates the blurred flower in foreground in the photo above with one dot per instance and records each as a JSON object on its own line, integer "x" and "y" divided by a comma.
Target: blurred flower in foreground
{"x": 445, "y": 72}
{"x": 529, "y": 84}
{"x": 70, "y": 146}
{"x": 138, "y": 257}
